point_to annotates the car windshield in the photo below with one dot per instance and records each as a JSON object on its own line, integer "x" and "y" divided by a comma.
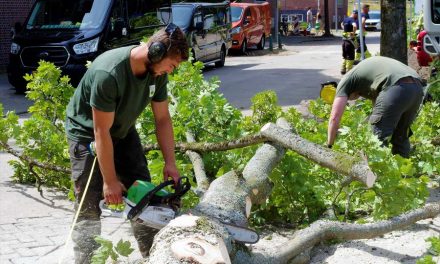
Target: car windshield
{"x": 374, "y": 15}
{"x": 68, "y": 14}
{"x": 236, "y": 13}
{"x": 182, "y": 15}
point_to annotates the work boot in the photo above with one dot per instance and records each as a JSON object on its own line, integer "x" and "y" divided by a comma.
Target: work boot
{"x": 349, "y": 64}
{"x": 343, "y": 67}
{"x": 367, "y": 54}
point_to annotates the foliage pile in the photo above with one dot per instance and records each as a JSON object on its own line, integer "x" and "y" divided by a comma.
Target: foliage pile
{"x": 303, "y": 191}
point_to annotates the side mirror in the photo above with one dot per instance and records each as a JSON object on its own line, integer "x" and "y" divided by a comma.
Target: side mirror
{"x": 247, "y": 20}
{"x": 16, "y": 29}
{"x": 118, "y": 28}
{"x": 199, "y": 26}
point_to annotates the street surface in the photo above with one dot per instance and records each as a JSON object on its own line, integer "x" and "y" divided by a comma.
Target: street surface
{"x": 295, "y": 74}
{"x": 33, "y": 228}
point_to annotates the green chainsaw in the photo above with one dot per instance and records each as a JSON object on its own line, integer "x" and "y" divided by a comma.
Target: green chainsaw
{"x": 155, "y": 207}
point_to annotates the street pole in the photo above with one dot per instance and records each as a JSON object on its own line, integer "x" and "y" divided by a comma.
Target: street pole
{"x": 277, "y": 26}
{"x": 336, "y": 15}
{"x": 361, "y": 31}
{"x": 410, "y": 19}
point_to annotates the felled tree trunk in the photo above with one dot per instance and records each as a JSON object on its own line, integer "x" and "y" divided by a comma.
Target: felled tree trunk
{"x": 229, "y": 200}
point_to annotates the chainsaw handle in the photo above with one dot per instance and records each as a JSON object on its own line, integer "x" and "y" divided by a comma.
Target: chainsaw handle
{"x": 109, "y": 212}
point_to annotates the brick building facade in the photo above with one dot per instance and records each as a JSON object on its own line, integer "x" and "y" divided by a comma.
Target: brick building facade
{"x": 11, "y": 11}
{"x": 290, "y": 8}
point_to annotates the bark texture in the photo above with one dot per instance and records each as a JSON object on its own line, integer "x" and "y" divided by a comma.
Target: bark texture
{"x": 227, "y": 200}
{"x": 393, "y": 34}
{"x": 213, "y": 146}
{"x": 356, "y": 168}
{"x": 198, "y": 166}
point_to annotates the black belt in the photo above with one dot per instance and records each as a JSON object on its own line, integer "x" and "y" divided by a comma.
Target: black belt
{"x": 408, "y": 79}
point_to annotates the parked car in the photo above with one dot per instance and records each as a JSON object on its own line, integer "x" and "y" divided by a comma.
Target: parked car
{"x": 373, "y": 23}
{"x": 251, "y": 25}
{"x": 207, "y": 27}
{"x": 70, "y": 33}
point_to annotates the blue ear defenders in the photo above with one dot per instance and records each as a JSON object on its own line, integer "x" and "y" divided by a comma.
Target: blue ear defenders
{"x": 157, "y": 50}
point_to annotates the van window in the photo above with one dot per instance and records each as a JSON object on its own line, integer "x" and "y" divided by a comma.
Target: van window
{"x": 182, "y": 16}
{"x": 67, "y": 14}
{"x": 209, "y": 22}
{"x": 197, "y": 18}
{"x": 236, "y": 13}
{"x": 142, "y": 13}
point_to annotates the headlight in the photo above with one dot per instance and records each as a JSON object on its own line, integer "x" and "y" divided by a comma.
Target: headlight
{"x": 15, "y": 48}
{"x": 235, "y": 30}
{"x": 86, "y": 47}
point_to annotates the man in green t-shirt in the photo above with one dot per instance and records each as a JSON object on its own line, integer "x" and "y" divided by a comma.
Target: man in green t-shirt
{"x": 396, "y": 92}
{"x": 110, "y": 97}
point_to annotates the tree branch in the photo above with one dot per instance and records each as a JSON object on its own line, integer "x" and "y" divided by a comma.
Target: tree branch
{"x": 32, "y": 162}
{"x": 217, "y": 146}
{"x": 355, "y": 167}
{"x": 198, "y": 166}
{"x": 324, "y": 230}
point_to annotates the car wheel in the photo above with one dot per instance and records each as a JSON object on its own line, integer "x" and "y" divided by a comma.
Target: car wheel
{"x": 243, "y": 47}
{"x": 262, "y": 43}
{"x": 221, "y": 62}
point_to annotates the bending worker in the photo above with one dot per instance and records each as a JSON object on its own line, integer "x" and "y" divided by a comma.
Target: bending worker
{"x": 110, "y": 97}
{"x": 348, "y": 41}
{"x": 396, "y": 92}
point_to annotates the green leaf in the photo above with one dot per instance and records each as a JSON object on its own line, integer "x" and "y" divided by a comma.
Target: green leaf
{"x": 124, "y": 248}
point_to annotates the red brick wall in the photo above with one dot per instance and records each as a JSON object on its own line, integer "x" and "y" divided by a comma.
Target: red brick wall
{"x": 300, "y": 6}
{"x": 11, "y": 11}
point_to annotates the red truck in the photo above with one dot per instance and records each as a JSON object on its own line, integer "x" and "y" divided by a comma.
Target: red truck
{"x": 251, "y": 25}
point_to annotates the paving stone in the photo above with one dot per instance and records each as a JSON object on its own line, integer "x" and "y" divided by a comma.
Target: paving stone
{"x": 27, "y": 260}
{"x": 11, "y": 242}
{"x": 9, "y": 228}
{"x": 26, "y": 252}
{"x": 26, "y": 238}
{"x": 43, "y": 251}
{"x": 9, "y": 257}
{"x": 5, "y": 250}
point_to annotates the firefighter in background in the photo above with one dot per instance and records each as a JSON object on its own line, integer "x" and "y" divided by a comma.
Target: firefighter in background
{"x": 348, "y": 41}
{"x": 364, "y": 17}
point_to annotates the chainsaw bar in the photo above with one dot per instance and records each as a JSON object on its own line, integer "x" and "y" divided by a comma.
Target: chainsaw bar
{"x": 241, "y": 234}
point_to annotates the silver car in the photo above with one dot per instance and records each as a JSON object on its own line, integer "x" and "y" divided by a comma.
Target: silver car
{"x": 373, "y": 23}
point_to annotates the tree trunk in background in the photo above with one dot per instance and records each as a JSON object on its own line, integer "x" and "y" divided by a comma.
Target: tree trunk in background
{"x": 393, "y": 36}
{"x": 326, "y": 20}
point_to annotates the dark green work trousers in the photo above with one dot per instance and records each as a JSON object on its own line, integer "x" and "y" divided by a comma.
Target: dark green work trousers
{"x": 395, "y": 109}
{"x": 131, "y": 165}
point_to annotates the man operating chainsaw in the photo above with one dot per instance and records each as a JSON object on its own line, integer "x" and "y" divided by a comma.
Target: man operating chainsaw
{"x": 397, "y": 93}
{"x": 115, "y": 90}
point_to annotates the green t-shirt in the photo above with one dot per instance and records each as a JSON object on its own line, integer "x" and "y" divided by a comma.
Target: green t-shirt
{"x": 110, "y": 86}
{"x": 373, "y": 75}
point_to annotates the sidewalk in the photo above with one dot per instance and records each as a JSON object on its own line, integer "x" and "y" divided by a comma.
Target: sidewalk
{"x": 33, "y": 229}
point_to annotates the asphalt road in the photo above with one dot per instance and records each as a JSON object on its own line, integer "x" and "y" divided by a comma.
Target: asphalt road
{"x": 294, "y": 74}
